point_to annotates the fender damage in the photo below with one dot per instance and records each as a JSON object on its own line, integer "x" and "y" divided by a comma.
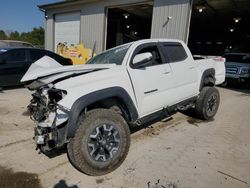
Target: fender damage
{"x": 50, "y": 117}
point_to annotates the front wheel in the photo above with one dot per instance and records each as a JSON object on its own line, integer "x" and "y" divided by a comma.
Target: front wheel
{"x": 207, "y": 103}
{"x": 101, "y": 142}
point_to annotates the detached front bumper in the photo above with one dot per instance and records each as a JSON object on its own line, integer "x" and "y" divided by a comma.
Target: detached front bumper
{"x": 52, "y": 133}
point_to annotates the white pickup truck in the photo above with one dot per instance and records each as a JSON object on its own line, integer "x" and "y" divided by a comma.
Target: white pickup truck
{"x": 91, "y": 108}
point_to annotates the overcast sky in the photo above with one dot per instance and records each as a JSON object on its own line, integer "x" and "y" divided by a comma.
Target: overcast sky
{"x": 21, "y": 15}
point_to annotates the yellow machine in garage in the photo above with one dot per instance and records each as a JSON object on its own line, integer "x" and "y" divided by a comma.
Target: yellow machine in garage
{"x": 77, "y": 52}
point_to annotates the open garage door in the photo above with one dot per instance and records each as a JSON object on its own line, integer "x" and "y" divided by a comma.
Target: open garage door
{"x": 67, "y": 28}
{"x": 219, "y": 26}
{"x": 128, "y": 23}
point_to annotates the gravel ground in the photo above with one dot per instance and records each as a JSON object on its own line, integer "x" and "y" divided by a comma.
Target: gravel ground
{"x": 177, "y": 152}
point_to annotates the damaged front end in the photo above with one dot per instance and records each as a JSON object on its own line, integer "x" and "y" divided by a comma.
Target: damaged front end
{"x": 50, "y": 117}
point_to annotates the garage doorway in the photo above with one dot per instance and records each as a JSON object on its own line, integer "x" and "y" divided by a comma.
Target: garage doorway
{"x": 128, "y": 23}
{"x": 67, "y": 28}
{"x": 220, "y": 26}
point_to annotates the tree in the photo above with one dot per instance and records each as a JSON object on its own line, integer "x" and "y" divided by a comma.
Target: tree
{"x": 3, "y": 36}
{"x": 14, "y": 35}
{"x": 35, "y": 37}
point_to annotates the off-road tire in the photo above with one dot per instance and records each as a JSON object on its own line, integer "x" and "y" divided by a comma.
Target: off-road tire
{"x": 78, "y": 152}
{"x": 202, "y": 103}
{"x": 70, "y": 155}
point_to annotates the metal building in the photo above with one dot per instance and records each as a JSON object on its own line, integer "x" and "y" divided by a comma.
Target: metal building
{"x": 102, "y": 24}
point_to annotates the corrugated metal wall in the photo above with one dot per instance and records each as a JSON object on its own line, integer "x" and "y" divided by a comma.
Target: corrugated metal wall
{"x": 49, "y": 33}
{"x": 171, "y": 19}
{"x": 92, "y": 27}
{"x": 93, "y": 20}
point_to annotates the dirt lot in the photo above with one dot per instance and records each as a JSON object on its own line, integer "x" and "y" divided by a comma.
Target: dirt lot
{"x": 181, "y": 151}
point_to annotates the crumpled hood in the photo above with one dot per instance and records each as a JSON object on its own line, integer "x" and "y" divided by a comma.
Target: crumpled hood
{"x": 48, "y": 67}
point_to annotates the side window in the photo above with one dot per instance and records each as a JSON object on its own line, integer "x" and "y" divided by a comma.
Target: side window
{"x": 175, "y": 52}
{"x": 16, "y": 56}
{"x": 36, "y": 54}
{"x": 156, "y": 60}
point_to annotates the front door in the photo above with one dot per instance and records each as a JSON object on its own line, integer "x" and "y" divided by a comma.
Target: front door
{"x": 152, "y": 82}
{"x": 13, "y": 64}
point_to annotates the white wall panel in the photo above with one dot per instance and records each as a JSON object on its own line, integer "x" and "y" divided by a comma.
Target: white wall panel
{"x": 67, "y": 28}
{"x": 171, "y": 19}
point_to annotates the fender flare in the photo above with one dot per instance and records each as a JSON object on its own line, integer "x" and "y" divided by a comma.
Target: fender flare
{"x": 96, "y": 96}
{"x": 205, "y": 74}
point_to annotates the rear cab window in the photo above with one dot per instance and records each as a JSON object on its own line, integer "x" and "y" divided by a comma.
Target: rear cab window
{"x": 174, "y": 51}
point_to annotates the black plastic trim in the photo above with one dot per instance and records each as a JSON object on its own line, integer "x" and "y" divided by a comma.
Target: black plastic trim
{"x": 207, "y": 73}
{"x": 165, "y": 112}
{"x": 96, "y": 96}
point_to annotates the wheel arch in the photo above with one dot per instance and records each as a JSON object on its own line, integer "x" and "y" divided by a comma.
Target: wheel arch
{"x": 207, "y": 78}
{"x": 117, "y": 94}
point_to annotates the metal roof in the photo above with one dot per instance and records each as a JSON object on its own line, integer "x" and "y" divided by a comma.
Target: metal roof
{"x": 62, "y": 4}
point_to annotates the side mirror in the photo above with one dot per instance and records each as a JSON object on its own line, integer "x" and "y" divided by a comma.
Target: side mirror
{"x": 142, "y": 59}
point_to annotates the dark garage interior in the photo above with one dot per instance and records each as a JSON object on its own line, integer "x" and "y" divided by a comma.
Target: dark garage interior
{"x": 219, "y": 26}
{"x": 128, "y": 23}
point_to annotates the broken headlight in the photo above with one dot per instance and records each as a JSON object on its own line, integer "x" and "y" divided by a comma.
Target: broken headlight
{"x": 56, "y": 95}
{"x": 44, "y": 102}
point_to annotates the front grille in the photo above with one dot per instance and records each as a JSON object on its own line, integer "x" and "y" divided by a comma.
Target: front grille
{"x": 231, "y": 70}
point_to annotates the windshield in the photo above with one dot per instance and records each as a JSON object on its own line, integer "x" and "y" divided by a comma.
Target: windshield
{"x": 113, "y": 56}
{"x": 237, "y": 58}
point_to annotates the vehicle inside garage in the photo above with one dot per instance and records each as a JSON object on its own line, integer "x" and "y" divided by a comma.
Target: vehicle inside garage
{"x": 128, "y": 23}
{"x": 220, "y": 26}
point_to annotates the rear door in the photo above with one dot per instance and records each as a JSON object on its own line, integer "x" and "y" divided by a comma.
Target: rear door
{"x": 35, "y": 54}
{"x": 12, "y": 67}
{"x": 185, "y": 72}
{"x": 152, "y": 83}
{"x": 58, "y": 58}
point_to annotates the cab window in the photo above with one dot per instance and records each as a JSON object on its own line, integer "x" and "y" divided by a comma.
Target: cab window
{"x": 174, "y": 51}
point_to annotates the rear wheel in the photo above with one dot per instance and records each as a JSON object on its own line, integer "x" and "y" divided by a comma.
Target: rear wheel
{"x": 207, "y": 103}
{"x": 101, "y": 142}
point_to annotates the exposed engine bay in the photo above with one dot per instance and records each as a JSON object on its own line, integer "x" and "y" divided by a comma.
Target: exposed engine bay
{"x": 49, "y": 117}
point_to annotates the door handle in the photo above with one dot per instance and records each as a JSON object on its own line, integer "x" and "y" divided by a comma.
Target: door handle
{"x": 191, "y": 67}
{"x": 166, "y": 72}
